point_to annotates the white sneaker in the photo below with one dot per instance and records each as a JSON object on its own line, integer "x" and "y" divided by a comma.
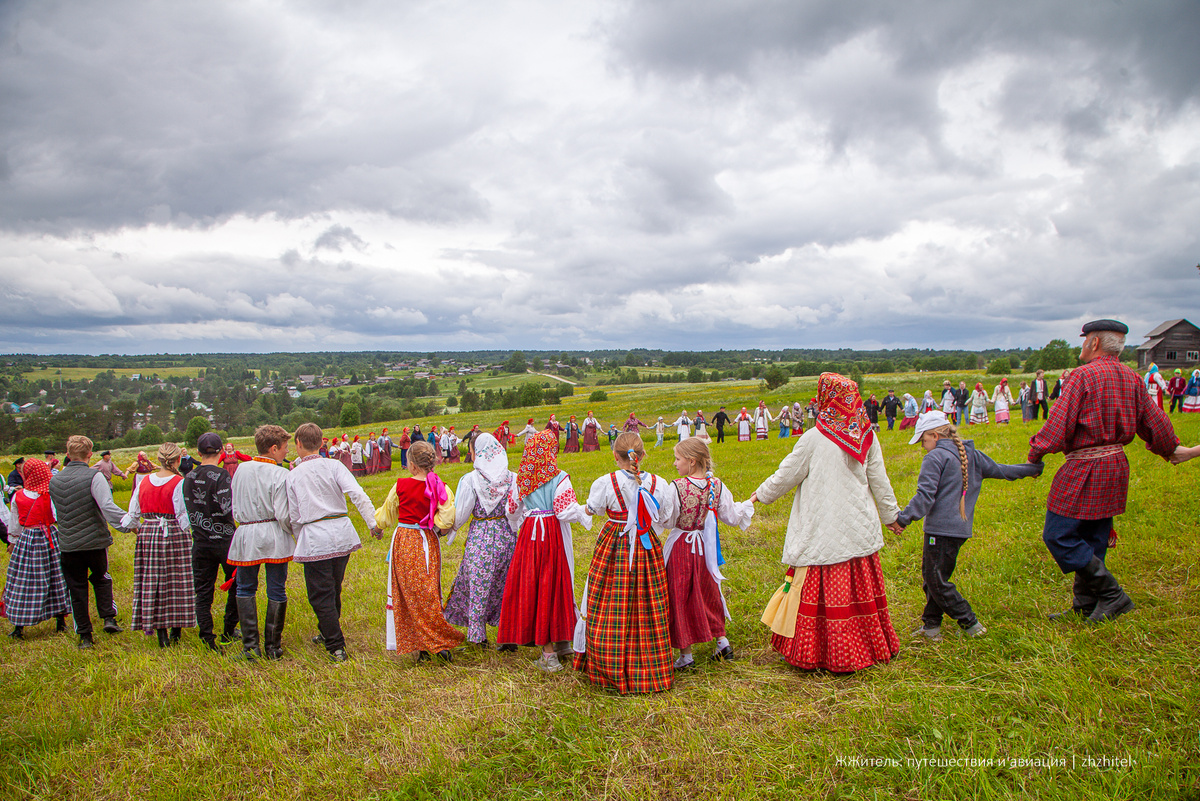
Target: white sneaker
{"x": 549, "y": 663}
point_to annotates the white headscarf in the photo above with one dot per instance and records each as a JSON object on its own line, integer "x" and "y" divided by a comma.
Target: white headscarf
{"x": 491, "y": 462}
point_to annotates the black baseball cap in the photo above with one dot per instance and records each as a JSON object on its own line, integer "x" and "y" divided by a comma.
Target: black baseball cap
{"x": 209, "y": 443}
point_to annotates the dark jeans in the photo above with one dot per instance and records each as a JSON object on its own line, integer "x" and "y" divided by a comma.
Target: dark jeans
{"x": 1044, "y": 405}
{"x": 323, "y": 580}
{"x": 1176, "y": 400}
{"x": 404, "y": 457}
{"x": 207, "y": 563}
{"x": 79, "y": 568}
{"x": 891, "y": 418}
{"x": 1073, "y": 542}
{"x": 247, "y": 581}
{"x": 720, "y": 434}
{"x": 939, "y": 556}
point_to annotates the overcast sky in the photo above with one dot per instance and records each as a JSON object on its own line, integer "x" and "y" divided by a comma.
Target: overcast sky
{"x": 337, "y": 175}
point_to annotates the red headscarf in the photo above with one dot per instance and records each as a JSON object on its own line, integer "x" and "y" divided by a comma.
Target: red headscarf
{"x": 539, "y": 463}
{"x": 37, "y": 475}
{"x": 840, "y": 415}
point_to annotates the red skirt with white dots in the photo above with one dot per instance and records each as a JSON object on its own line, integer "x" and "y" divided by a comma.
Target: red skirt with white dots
{"x": 843, "y": 624}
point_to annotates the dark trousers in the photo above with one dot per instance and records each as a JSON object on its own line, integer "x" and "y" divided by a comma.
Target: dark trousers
{"x": 207, "y": 563}
{"x": 80, "y": 568}
{"x": 1073, "y": 542}
{"x": 891, "y": 418}
{"x": 720, "y": 434}
{"x": 1176, "y": 400}
{"x": 1044, "y": 405}
{"x": 323, "y": 580}
{"x": 939, "y": 556}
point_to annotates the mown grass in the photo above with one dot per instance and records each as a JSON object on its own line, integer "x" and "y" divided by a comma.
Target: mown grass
{"x": 129, "y": 720}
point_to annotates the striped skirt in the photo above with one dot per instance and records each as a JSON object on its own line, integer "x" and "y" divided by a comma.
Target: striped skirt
{"x": 628, "y": 632}
{"x": 164, "y": 596}
{"x": 34, "y": 589}
{"x": 843, "y": 623}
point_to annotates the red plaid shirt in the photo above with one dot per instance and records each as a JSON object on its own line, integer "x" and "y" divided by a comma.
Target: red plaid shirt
{"x": 1103, "y": 403}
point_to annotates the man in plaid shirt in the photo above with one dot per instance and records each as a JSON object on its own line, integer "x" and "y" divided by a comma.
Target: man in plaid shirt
{"x": 1102, "y": 407}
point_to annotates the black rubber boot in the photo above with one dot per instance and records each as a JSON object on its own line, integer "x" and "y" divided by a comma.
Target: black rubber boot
{"x": 248, "y": 620}
{"x": 18, "y": 633}
{"x": 175, "y": 635}
{"x": 273, "y": 629}
{"x": 163, "y": 638}
{"x": 1084, "y": 601}
{"x": 1111, "y": 600}
{"x": 60, "y": 624}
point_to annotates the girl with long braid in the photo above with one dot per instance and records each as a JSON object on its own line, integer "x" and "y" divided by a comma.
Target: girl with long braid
{"x": 952, "y": 474}
{"x": 164, "y": 598}
{"x": 693, "y": 553}
{"x": 625, "y": 642}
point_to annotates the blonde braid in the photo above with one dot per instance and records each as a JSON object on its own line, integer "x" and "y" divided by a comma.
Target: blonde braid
{"x": 966, "y": 471}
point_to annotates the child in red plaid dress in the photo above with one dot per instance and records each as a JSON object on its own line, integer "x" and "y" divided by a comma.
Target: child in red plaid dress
{"x": 627, "y": 633}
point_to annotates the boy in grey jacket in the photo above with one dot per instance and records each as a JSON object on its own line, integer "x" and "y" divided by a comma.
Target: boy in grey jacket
{"x": 949, "y": 512}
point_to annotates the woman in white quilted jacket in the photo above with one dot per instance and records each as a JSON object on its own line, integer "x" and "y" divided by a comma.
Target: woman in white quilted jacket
{"x": 831, "y": 611}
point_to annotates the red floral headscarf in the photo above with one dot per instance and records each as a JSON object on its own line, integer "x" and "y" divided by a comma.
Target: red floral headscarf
{"x": 539, "y": 463}
{"x": 841, "y": 417}
{"x": 37, "y": 475}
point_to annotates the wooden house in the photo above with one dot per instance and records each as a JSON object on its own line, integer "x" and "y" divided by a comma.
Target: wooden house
{"x": 1175, "y": 343}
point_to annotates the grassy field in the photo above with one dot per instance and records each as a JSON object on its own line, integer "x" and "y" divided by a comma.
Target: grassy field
{"x": 1033, "y": 709}
{"x": 76, "y": 373}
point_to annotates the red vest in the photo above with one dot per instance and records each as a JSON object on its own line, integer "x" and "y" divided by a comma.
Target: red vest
{"x": 34, "y": 512}
{"x": 413, "y": 503}
{"x": 154, "y": 500}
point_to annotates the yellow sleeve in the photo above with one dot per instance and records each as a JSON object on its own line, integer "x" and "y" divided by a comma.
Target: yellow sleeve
{"x": 444, "y": 519}
{"x": 387, "y": 515}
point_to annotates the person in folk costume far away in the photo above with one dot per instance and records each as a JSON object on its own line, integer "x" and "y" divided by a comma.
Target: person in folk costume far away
{"x": 1191, "y": 395}
{"x": 230, "y": 458}
{"x": 1002, "y": 399}
{"x": 682, "y": 426}
{"x": 1176, "y": 388}
{"x": 435, "y": 439}
{"x": 797, "y": 418}
{"x": 34, "y": 589}
{"x": 208, "y": 496}
{"x": 482, "y": 499}
{"x": 324, "y": 452}
{"x": 263, "y": 538}
{"x": 370, "y": 455}
{"x": 385, "y": 451}
{"x": 142, "y": 467}
{"x": 572, "y": 444}
{"x": 979, "y": 402}
{"x": 928, "y": 404}
{"x": 420, "y": 510}
{"x": 910, "y": 411}
{"x": 1156, "y": 386}
{"x": 700, "y": 422}
{"x": 538, "y": 607}
{"x": 344, "y": 453}
{"x": 404, "y": 443}
{"x": 591, "y": 433}
{"x": 316, "y": 491}
{"x": 623, "y": 641}
{"x": 164, "y": 594}
{"x": 1023, "y": 399}
{"x": 453, "y": 453}
{"x": 744, "y": 425}
{"x": 785, "y": 421}
{"x": 871, "y": 407}
{"x": 528, "y": 431}
{"x": 762, "y": 420}
{"x": 692, "y": 553}
{"x": 1101, "y": 409}
{"x": 952, "y": 475}
{"x": 84, "y": 507}
{"x": 502, "y": 435}
{"x": 358, "y": 468}
{"x": 633, "y": 423}
{"x": 553, "y": 425}
{"x": 474, "y": 433}
{"x": 659, "y": 429}
{"x": 831, "y": 612}
{"x": 949, "y": 400}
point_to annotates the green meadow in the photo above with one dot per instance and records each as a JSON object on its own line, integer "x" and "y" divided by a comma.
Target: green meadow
{"x": 1035, "y": 708}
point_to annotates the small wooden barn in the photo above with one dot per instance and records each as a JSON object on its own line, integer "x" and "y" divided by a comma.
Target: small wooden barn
{"x": 1175, "y": 343}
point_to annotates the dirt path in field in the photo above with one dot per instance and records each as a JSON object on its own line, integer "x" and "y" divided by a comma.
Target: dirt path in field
{"x": 556, "y": 378}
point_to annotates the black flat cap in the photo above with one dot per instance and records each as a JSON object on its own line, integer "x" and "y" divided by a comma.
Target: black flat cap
{"x": 1104, "y": 325}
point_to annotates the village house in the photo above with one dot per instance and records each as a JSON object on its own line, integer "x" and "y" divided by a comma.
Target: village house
{"x": 1175, "y": 343}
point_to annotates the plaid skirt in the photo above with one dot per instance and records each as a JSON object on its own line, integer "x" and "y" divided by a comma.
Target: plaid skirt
{"x": 628, "y": 634}
{"x": 843, "y": 623}
{"x": 34, "y": 589}
{"x": 164, "y": 596}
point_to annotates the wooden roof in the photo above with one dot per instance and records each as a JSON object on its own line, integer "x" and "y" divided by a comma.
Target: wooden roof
{"x": 1167, "y": 326}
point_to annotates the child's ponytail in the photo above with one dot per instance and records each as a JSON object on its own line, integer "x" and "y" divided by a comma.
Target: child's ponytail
{"x": 966, "y": 470}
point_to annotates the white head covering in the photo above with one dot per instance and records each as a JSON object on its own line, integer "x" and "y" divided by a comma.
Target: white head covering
{"x": 927, "y": 422}
{"x": 491, "y": 462}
